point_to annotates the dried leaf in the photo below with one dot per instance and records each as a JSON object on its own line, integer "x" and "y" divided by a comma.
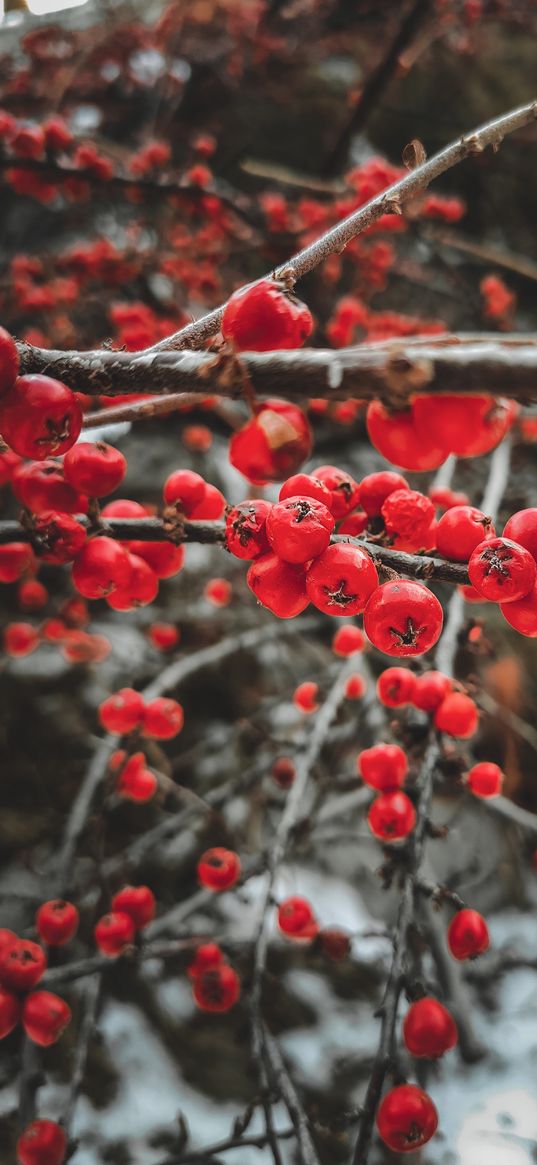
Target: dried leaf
{"x": 414, "y": 154}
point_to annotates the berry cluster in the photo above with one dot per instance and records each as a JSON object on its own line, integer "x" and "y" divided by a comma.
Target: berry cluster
{"x": 43, "y": 1015}
{"x": 215, "y": 985}
{"x": 133, "y": 908}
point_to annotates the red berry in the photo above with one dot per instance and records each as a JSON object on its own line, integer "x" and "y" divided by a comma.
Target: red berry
{"x": 305, "y": 696}
{"x": 396, "y": 686}
{"x": 341, "y": 580}
{"x": 305, "y": 485}
{"x": 101, "y": 567}
{"x": 501, "y": 570}
{"x": 344, "y": 490}
{"x": 408, "y": 516}
{"x": 347, "y": 640}
{"x": 273, "y": 444}
{"x": 140, "y": 590}
{"x": 334, "y": 943}
{"x": 457, "y": 715}
{"x": 218, "y": 592}
{"x": 395, "y": 436}
{"x": 122, "y": 712}
{"x": 40, "y": 485}
{"x": 135, "y": 782}
{"x": 136, "y": 901}
{"x": 403, "y": 618}
{"x": 44, "y": 1017}
{"x": 406, "y": 1119}
{"x": 163, "y": 636}
{"x": 468, "y": 935}
{"x": 59, "y": 537}
{"x": 219, "y": 869}
{"x": 216, "y": 989}
{"x": 465, "y": 425}
{"x": 392, "y": 816}
{"x": 460, "y": 530}
{"x": 10, "y": 1011}
{"x": 20, "y": 639}
{"x": 376, "y": 487}
{"x": 22, "y": 964}
{"x": 355, "y": 687}
{"x": 522, "y": 528}
{"x": 296, "y": 918}
{"x": 263, "y": 316}
{"x": 163, "y": 718}
{"x": 40, "y": 417}
{"x": 94, "y": 469}
{"x": 355, "y": 524}
{"x": 79, "y": 647}
{"x": 57, "y": 922}
{"x": 485, "y": 779}
{"x": 9, "y": 361}
{"x": 184, "y": 489}
{"x": 384, "y": 767}
{"x": 522, "y": 613}
{"x": 278, "y": 586}
{"x": 15, "y": 560}
{"x": 283, "y": 772}
{"x": 299, "y": 529}
{"x": 430, "y": 690}
{"x": 245, "y": 529}
{"x": 445, "y": 498}
{"x": 429, "y": 1029}
{"x": 114, "y": 932}
{"x": 42, "y": 1143}
{"x": 211, "y": 507}
{"x": 164, "y": 559}
{"x": 208, "y": 955}
{"x": 32, "y": 595}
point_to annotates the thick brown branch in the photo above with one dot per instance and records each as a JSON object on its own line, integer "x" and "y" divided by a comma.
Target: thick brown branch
{"x": 390, "y": 371}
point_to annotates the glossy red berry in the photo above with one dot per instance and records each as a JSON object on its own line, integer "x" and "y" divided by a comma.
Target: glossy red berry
{"x": 283, "y": 772}
{"x": 136, "y": 901}
{"x": 211, "y": 507}
{"x": 9, "y": 362}
{"x": 429, "y": 1029}
{"x": 140, "y": 590}
{"x": 101, "y": 567}
{"x": 43, "y": 1142}
{"x": 135, "y": 782}
{"x": 383, "y": 767}
{"x": 94, "y": 468}
{"x": 501, "y": 570}
{"x": 57, "y": 922}
{"x": 457, "y": 715}
{"x": 278, "y": 585}
{"x": 273, "y": 444}
{"x": 58, "y": 537}
{"x": 396, "y": 437}
{"x": 468, "y": 935}
{"x": 355, "y": 524}
{"x": 299, "y": 529}
{"x": 264, "y": 316}
{"x": 184, "y": 489}
{"x": 460, "y": 530}
{"x": 485, "y": 779}
{"x": 308, "y": 486}
{"x": 114, "y": 932}
{"x": 164, "y": 559}
{"x": 15, "y": 560}
{"x": 341, "y": 580}
{"x": 40, "y": 417}
{"x": 355, "y": 686}
{"x": 403, "y": 618}
{"x": 396, "y": 687}
{"x": 347, "y": 640}
{"x": 122, "y": 712}
{"x": 430, "y": 690}
{"x": 22, "y": 964}
{"x": 40, "y": 485}
{"x": 163, "y": 718}
{"x": 164, "y": 636}
{"x": 246, "y": 535}
{"x": 10, "y": 1012}
{"x": 406, "y": 1119}
{"x": 20, "y": 639}
{"x": 468, "y": 425}
{"x": 44, "y": 1017}
{"x": 334, "y": 943}
{"x": 376, "y": 487}
{"x": 216, "y": 989}
{"x": 392, "y": 816}
{"x": 408, "y": 518}
{"x": 522, "y": 613}
{"x": 522, "y": 528}
{"x": 219, "y": 869}
{"x": 207, "y": 955}
{"x": 344, "y": 490}
{"x": 305, "y": 696}
{"x": 296, "y": 918}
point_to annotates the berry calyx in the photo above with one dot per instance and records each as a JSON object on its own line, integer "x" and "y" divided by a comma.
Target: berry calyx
{"x": 219, "y": 869}
{"x": 391, "y": 816}
{"x": 468, "y": 935}
{"x": 406, "y": 1119}
{"x": 429, "y": 1029}
{"x": 403, "y": 618}
{"x": 299, "y": 529}
{"x": 501, "y": 570}
{"x": 341, "y": 580}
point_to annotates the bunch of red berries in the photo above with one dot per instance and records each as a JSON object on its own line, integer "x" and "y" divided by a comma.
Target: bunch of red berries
{"x": 133, "y": 908}
{"x": 43, "y": 1015}
{"x": 215, "y": 984}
